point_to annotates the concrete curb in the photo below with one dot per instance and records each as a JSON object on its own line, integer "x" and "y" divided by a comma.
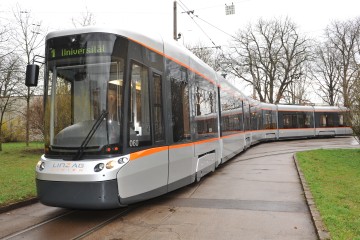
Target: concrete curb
{"x": 18, "y": 205}
{"x": 321, "y": 231}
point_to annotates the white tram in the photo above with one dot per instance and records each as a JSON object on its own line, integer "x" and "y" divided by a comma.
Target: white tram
{"x": 130, "y": 116}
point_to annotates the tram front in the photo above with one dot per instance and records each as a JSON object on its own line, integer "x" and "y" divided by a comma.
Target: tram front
{"x": 83, "y": 120}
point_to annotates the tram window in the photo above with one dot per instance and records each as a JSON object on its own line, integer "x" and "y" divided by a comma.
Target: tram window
{"x": 301, "y": 120}
{"x": 63, "y": 104}
{"x": 231, "y": 123}
{"x": 322, "y": 120}
{"x": 246, "y": 117}
{"x": 180, "y": 109}
{"x": 115, "y": 92}
{"x": 256, "y": 119}
{"x": 341, "y": 120}
{"x": 286, "y": 121}
{"x": 139, "y": 122}
{"x": 330, "y": 120}
{"x": 290, "y": 121}
{"x": 274, "y": 120}
{"x": 205, "y": 108}
{"x": 308, "y": 120}
{"x": 231, "y": 110}
{"x": 269, "y": 119}
{"x": 114, "y": 102}
{"x": 158, "y": 109}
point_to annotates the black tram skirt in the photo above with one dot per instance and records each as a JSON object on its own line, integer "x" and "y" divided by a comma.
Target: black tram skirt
{"x": 79, "y": 195}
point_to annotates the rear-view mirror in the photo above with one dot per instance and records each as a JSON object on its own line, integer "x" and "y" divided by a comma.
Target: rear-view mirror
{"x": 32, "y": 75}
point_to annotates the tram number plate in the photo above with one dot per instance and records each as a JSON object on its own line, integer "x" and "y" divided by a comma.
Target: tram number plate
{"x": 134, "y": 143}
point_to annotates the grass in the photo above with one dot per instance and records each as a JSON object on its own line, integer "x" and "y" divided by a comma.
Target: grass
{"x": 17, "y": 171}
{"x": 334, "y": 180}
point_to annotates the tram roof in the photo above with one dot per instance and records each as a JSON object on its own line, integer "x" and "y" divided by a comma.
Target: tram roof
{"x": 330, "y": 108}
{"x": 284, "y": 107}
{"x": 167, "y": 47}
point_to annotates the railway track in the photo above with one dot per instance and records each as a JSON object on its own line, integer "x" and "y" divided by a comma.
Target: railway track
{"x": 73, "y": 224}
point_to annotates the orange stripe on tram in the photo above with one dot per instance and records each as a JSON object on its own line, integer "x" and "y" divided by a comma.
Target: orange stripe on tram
{"x": 150, "y": 151}
{"x": 147, "y": 152}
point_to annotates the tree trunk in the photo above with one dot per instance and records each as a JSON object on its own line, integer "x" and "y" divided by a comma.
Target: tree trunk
{"x": 27, "y": 116}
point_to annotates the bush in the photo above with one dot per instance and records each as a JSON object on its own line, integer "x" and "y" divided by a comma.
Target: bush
{"x": 13, "y": 130}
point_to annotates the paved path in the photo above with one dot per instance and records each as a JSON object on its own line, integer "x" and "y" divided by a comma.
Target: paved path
{"x": 256, "y": 195}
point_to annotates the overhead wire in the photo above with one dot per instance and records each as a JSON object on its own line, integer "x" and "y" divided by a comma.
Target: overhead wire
{"x": 192, "y": 15}
{"x": 216, "y": 27}
{"x": 215, "y": 6}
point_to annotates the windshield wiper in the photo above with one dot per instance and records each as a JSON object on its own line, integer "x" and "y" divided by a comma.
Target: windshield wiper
{"x": 92, "y": 131}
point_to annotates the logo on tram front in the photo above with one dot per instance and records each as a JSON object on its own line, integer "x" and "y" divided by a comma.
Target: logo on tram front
{"x": 67, "y": 167}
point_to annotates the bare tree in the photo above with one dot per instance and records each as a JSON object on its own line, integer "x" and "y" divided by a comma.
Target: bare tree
{"x": 5, "y": 47}
{"x": 343, "y": 37}
{"x": 9, "y": 69}
{"x": 28, "y": 37}
{"x": 326, "y": 73}
{"x": 355, "y": 108}
{"x": 37, "y": 113}
{"x": 297, "y": 92}
{"x": 10, "y": 78}
{"x": 210, "y": 55}
{"x": 269, "y": 56}
{"x": 86, "y": 19}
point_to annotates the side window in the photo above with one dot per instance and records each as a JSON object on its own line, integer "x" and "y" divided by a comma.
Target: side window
{"x": 180, "y": 108}
{"x": 341, "y": 120}
{"x": 290, "y": 121}
{"x": 158, "y": 109}
{"x": 205, "y": 108}
{"x": 256, "y": 118}
{"x": 330, "y": 120}
{"x": 287, "y": 121}
{"x": 267, "y": 119}
{"x": 301, "y": 120}
{"x": 308, "y": 120}
{"x": 139, "y": 122}
{"x": 246, "y": 116}
{"x": 323, "y": 120}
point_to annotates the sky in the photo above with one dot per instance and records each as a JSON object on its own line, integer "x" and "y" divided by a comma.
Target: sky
{"x": 312, "y": 16}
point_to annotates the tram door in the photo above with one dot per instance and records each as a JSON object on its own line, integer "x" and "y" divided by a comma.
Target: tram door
{"x": 147, "y": 175}
{"x": 181, "y": 152}
{"x": 157, "y": 106}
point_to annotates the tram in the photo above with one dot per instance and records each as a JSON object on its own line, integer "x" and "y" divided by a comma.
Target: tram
{"x": 130, "y": 116}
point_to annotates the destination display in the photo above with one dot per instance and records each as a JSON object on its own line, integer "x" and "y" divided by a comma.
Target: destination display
{"x": 79, "y": 46}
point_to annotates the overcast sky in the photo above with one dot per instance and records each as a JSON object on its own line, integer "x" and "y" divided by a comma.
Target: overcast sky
{"x": 311, "y": 16}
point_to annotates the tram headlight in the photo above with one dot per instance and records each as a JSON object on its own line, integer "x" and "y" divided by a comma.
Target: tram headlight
{"x": 99, "y": 167}
{"x": 123, "y": 160}
{"x": 40, "y": 165}
{"x": 110, "y": 165}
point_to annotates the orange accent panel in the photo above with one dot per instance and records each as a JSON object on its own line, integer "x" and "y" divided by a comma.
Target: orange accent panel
{"x": 233, "y": 135}
{"x": 147, "y": 152}
{"x": 181, "y": 145}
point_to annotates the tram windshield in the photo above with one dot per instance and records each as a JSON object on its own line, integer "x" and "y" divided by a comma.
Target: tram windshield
{"x": 83, "y": 105}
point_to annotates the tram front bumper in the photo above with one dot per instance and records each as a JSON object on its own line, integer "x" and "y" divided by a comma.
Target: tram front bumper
{"x": 79, "y": 195}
